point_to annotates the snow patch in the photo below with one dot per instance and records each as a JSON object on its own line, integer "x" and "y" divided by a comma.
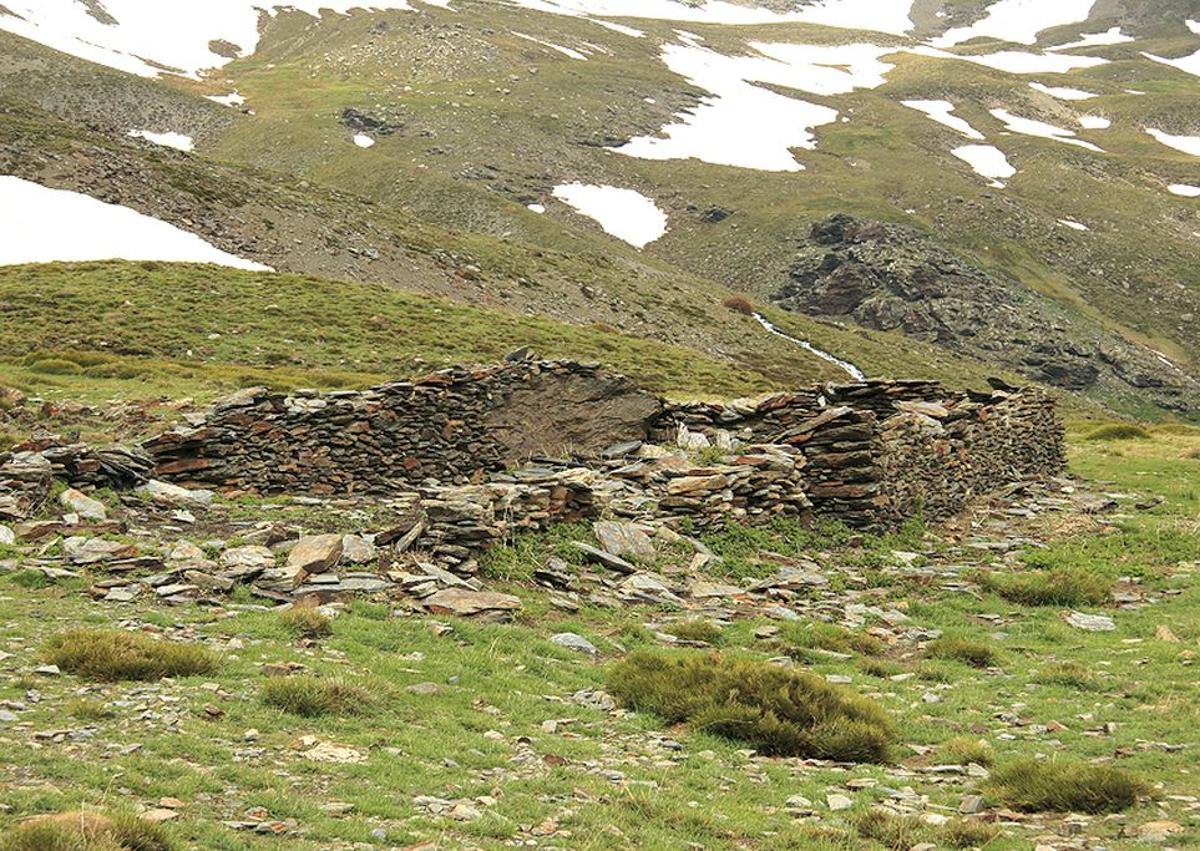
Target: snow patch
{"x": 151, "y": 36}
{"x": 565, "y": 51}
{"x": 853, "y": 371}
{"x": 363, "y": 140}
{"x": 1042, "y": 130}
{"x": 1062, "y": 92}
{"x": 36, "y": 222}
{"x": 1188, "y": 64}
{"x": 537, "y": 208}
{"x": 620, "y": 28}
{"x": 231, "y": 99}
{"x": 1105, "y": 39}
{"x": 1187, "y": 144}
{"x": 1184, "y": 190}
{"x": 178, "y": 141}
{"x": 746, "y": 125}
{"x": 1073, "y": 225}
{"x": 1018, "y": 61}
{"x": 889, "y": 16}
{"x": 940, "y": 111}
{"x": 987, "y": 161}
{"x": 1019, "y": 21}
{"x": 1094, "y": 122}
{"x": 623, "y": 213}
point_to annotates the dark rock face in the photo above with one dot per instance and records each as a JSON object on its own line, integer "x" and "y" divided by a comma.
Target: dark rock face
{"x": 891, "y": 278}
{"x": 363, "y": 122}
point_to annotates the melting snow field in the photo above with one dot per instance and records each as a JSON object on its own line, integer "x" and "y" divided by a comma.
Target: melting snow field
{"x": 940, "y": 111}
{"x": 231, "y": 99}
{"x": 988, "y": 161}
{"x": 1062, "y": 92}
{"x": 178, "y": 141}
{"x": 1187, "y": 144}
{"x": 623, "y": 213}
{"x": 34, "y": 220}
{"x": 363, "y": 140}
{"x": 852, "y": 370}
{"x": 1104, "y": 39}
{"x": 1018, "y": 61}
{"x": 749, "y": 126}
{"x": 1184, "y": 190}
{"x": 1094, "y": 122}
{"x": 1019, "y": 21}
{"x": 1029, "y": 127}
{"x": 890, "y": 16}
{"x": 150, "y": 35}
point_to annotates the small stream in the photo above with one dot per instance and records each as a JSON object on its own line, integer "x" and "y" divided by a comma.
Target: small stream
{"x": 854, "y": 372}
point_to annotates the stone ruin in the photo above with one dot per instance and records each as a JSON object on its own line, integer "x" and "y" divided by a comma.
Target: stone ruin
{"x": 473, "y": 457}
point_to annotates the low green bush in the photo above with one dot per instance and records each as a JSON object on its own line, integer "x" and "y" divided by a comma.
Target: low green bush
{"x": 697, "y": 629}
{"x": 110, "y": 655}
{"x": 963, "y": 750}
{"x": 1119, "y": 431}
{"x": 86, "y": 831}
{"x": 798, "y": 637}
{"x": 775, "y": 710}
{"x": 972, "y": 653}
{"x": 1031, "y": 785}
{"x": 313, "y": 696}
{"x": 892, "y": 831}
{"x": 1061, "y": 587}
{"x": 305, "y": 622}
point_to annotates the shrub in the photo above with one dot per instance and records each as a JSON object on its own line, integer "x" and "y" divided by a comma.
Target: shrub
{"x": 890, "y": 830}
{"x": 972, "y": 653}
{"x": 1070, "y": 674}
{"x": 1061, "y": 587}
{"x": 56, "y": 366}
{"x": 697, "y": 629}
{"x": 827, "y": 636}
{"x": 110, "y": 655}
{"x": 1032, "y": 786}
{"x": 84, "y": 831}
{"x": 313, "y": 696}
{"x": 963, "y": 833}
{"x": 775, "y": 710}
{"x": 739, "y": 304}
{"x": 962, "y": 750}
{"x": 305, "y": 622}
{"x": 1119, "y": 431}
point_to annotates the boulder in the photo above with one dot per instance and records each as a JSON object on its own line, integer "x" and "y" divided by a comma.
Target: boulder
{"x": 623, "y": 539}
{"x": 464, "y": 603}
{"x": 83, "y": 505}
{"x": 169, "y": 494}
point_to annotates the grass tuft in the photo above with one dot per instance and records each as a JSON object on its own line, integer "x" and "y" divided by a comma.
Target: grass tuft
{"x": 892, "y": 831}
{"x": 739, "y": 304}
{"x": 963, "y": 750}
{"x": 972, "y": 653}
{"x": 85, "y": 831}
{"x": 1033, "y": 786}
{"x": 305, "y": 622}
{"x": 964, "y": 833}
{"x": 697, "y": 629}
{"x": 1074, "y": 675}
{"x": 775, "y": 710}
{"x": 1060, "y": 587}
{"x": 1119, "y": 431}
{"x": 111, "y": 655}
{"x": 815, "y": 635}
{"x": 313, "y": 696}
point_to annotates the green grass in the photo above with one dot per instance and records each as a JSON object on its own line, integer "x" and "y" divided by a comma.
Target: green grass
{"x": 969, "y": 652}
{"x": 304, "y": 622}
{"x": 110, "y": 655}
{"x": 87, "y": 831}
{"x": 311, "y": 697}
{"x": 1059, "y": 587}
{"x": 1067, "y": 786}
{"x": 774, "y": 710}
{"x": 1119, "y": 431}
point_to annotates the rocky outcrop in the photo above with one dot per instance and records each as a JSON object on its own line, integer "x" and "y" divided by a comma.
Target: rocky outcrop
{"x": 892, "y": 278}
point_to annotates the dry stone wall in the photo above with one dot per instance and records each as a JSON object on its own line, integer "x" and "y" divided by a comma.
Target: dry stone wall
{"x": 868, "y": 454}
{"x": 452, "y": 426}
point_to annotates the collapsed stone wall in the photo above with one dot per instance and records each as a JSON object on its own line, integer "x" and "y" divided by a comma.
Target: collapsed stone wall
{"x": 452, "y": 426}
{"x": 868, "y": 454}
{"x": 877, "y": 452}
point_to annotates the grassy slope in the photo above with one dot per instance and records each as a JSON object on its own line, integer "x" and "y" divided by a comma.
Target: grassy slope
{"x": 509, "y": 679}
{"x": 455, "y": 106}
